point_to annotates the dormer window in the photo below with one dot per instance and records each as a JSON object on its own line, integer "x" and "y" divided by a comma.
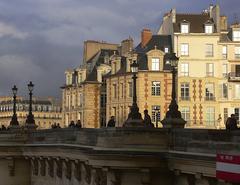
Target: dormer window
{"x": 208, "y": 28}
{"x": 184, "y": 27}
{"x": 236, "y": 35}
{"x": 166, "y": 50}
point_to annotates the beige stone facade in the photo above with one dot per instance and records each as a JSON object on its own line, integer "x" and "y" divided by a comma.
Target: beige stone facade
{"x": 84, "y": 93}
{"x": 46, "y": 111}
{"x": 208, "y": 57}
{"x": 154, "y": 83}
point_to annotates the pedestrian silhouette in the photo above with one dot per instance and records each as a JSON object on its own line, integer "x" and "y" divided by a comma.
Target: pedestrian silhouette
{"x": 231, "y": 123}
{"x": 111, "y": 122}
{"x": 147, "y": 119}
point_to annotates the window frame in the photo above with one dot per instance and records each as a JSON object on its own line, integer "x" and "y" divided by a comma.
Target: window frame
{"x": 208, "y": 31}
{"x": 156, "y": 88}
{"x": 184, "y": 49}
{"x": 209, "y": 53}
{"x": 234, "y": 37}
{"x": 185, "y": 27}
{"x": 209, "y": 69}
{"x": 185, "y": 90}
{"x": 155, "y": 64}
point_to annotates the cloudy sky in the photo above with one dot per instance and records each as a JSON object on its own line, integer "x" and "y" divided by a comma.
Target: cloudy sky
{"x": 39, "y": 39}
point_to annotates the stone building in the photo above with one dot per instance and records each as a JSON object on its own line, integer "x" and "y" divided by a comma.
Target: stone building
{"x": 153, "y": 82}
{"x": 84, "y": 94}
{"x": 46, "y": 111}
{"x": 208, "y": 75}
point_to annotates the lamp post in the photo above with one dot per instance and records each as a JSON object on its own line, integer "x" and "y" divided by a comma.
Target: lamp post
{"x": 173, "y": 117}
{"x": 30, "y": 122}
{"x": 134, "y": 117}
{"x": 157, "y": 114}
{"x": 14, "y": 122}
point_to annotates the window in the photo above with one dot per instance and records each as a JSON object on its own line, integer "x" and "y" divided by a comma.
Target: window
{"x": 210, "y": 69}
{"x": 209, "y": 50}
{"x": 236, "y": 112}
{"x": 184, "y": 28}
{"x": 184, "y": 69}
{"x": 155, "y": 64}
{"x": 156, "y": 113}
{"x": 80, "y": 77}
{"x": 209, "y": 91}
{"x": 166, "y": 50}
{"x": 224, "y": 90}
{"x": 185, "y": 91}
{"x": 237, "y": 91}
{"x": 130, "y": 89}
{"x": 69, "y": 79}
{"x": 236, "y": 35}
{"x": 80, "y": 99}
{"x": 155, "y": 88}
{"x": 237, "y": 52}
{"x": 225, "y": 114}
{"x": 114, "y": 90}
{"x": 185, "y": 111}
{"x": 208, "y": 28}
{"x": 122, "y": 90}
{"x": 224, "y": 52}
{"x": 210, "y": 116}
{"x": 184, "y": 49}
{"x": 224, "y": 70}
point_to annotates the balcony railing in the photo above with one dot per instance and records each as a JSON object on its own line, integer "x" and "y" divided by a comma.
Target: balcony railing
{"x": 210, "y": 98}
{"x": 185, "y": 98}
{"x": 234, "y": 77}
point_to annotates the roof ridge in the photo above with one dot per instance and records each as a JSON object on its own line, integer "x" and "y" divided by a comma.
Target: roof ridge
{"x": 192, "y": 14}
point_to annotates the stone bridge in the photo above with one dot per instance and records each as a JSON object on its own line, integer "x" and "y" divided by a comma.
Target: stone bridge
{"x": 114, "y": 156}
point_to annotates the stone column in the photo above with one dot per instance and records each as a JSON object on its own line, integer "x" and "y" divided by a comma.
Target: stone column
{"x": 113, "y": 177}
{"x": 50, "y": 167}
{"x": 77, "y": 171}
{"x": 200, "y": 180}
{"x": 180, "y": 179}
{"x": 145, "y": 177}
{"x": 86, "y": 173}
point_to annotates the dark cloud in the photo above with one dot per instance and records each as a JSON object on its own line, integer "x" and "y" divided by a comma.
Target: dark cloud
{"x": 40, "y": 39}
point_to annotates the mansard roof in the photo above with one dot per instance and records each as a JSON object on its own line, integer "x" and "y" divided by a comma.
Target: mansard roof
{"x": 95, "y": 61}
{"x": 196, "y": 22}
{"x": 158, "y": 42}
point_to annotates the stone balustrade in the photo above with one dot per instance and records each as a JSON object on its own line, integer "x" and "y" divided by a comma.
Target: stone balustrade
{"x": 114, "y": 156}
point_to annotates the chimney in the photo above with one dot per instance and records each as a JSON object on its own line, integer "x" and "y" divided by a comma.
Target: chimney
{"x": 146, "y": 35}
{"x": 223, "y": 23}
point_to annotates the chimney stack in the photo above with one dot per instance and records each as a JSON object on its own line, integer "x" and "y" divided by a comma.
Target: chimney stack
{"x": 146, "y": 35}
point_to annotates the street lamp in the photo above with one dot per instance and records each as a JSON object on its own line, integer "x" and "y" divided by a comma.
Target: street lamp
{"x": 173, "y": 117}
{"x": 30, "y": 122}
{"x": 134, "y": 117}
{"x": 14, "y": 121}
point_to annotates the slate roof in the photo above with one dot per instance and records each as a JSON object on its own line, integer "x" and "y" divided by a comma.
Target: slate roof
{"x": 158, "y": 41}
{"x": 95, "y": 61}
{"x": 196, "y": 21}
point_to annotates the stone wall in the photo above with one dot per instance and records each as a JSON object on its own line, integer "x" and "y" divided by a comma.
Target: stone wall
{"x": 113, "y": 156}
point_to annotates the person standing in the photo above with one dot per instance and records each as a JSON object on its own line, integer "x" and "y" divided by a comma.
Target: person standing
{"x": 111, "y": 122}
{"x": 231, "y": 123}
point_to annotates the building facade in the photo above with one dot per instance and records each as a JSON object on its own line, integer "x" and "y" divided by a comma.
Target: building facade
{"x": 154, "y": 80}
{"x": 84, "y": 93}
{"x": 46, "y": 111}
{"x": 208, "y": 83}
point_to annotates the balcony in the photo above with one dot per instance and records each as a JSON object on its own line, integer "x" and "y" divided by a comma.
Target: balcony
{"x": 185, "y": 98}
{"x": 210, "y": 98}
{"x": 233, "y": 77}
